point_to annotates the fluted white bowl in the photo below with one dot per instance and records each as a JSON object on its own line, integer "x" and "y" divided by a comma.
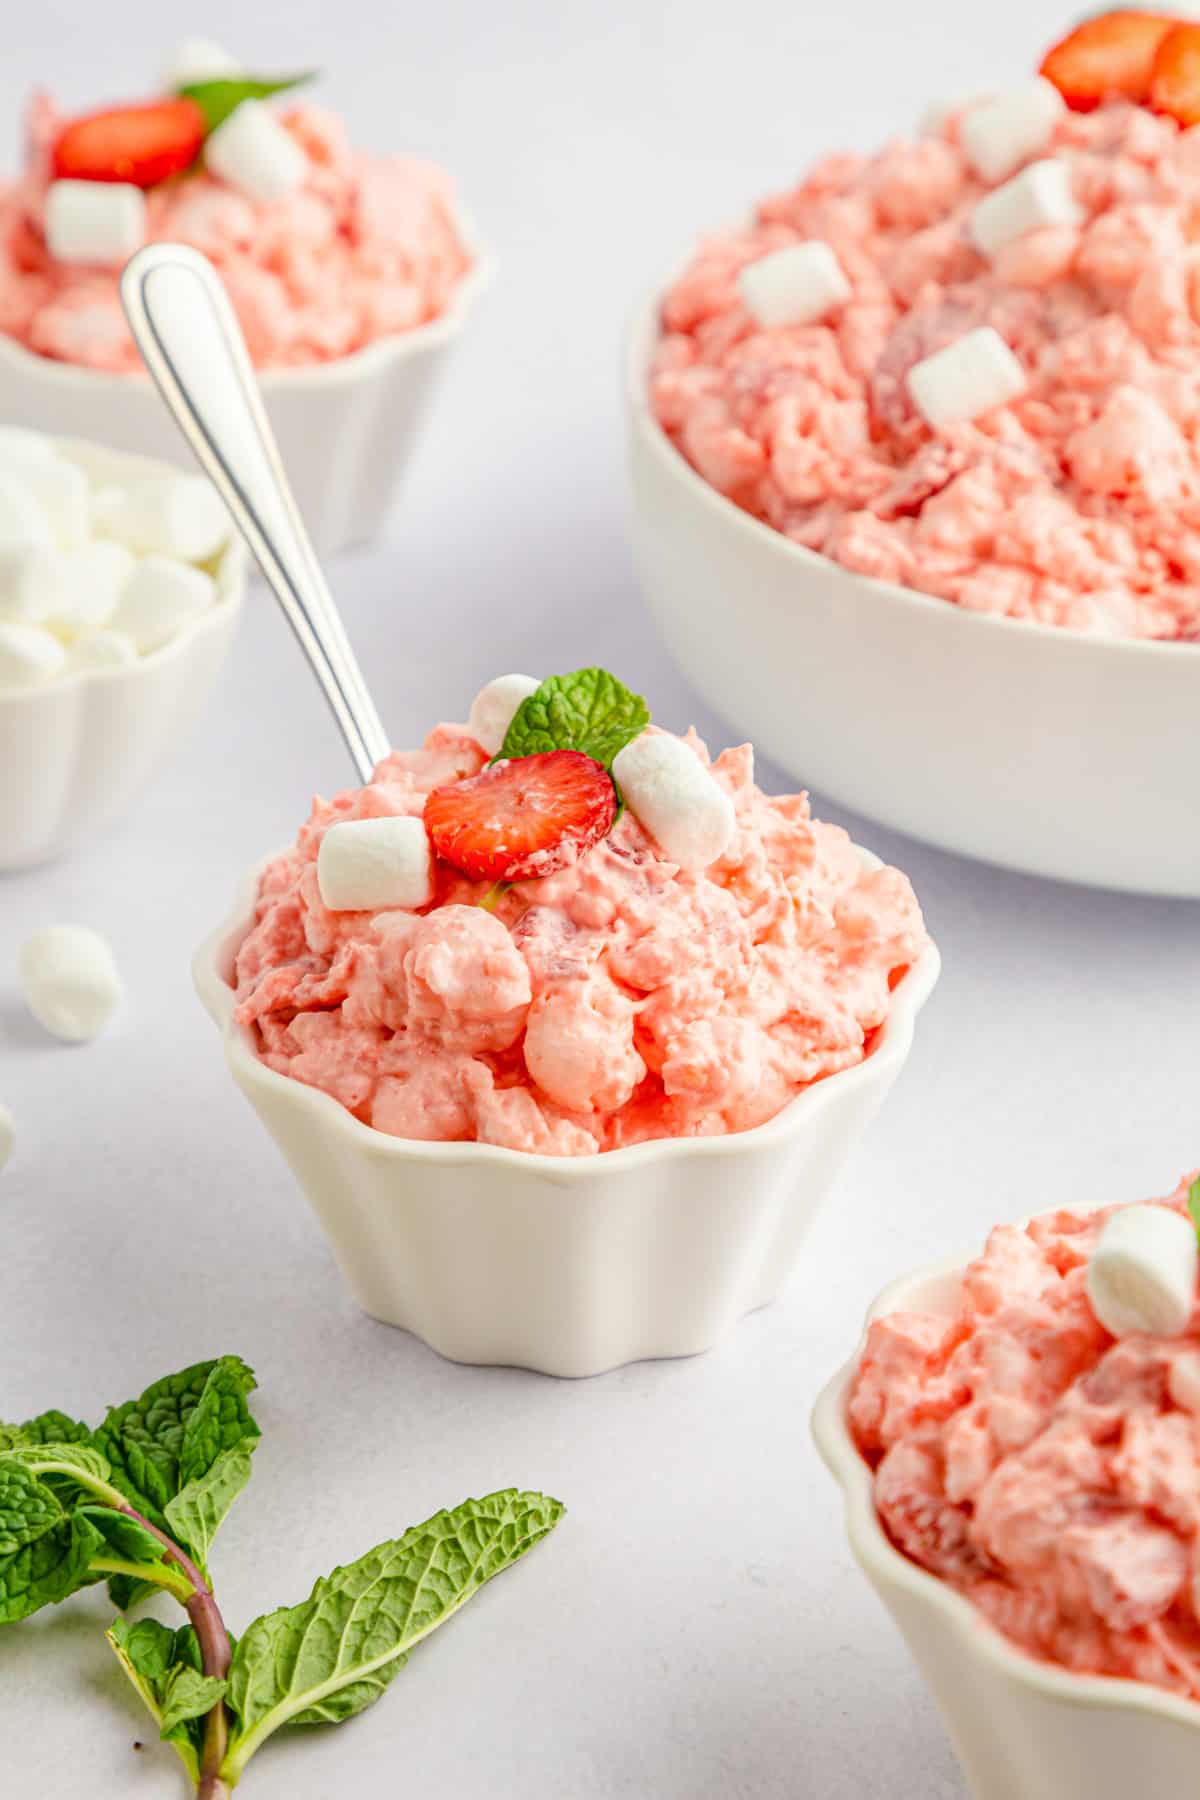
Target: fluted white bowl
{"x": 1022, "y": 1729}
{"x": 1041, "y": 749}
{"x": 569, "y": 1266}
{"x": 75, "y": 752}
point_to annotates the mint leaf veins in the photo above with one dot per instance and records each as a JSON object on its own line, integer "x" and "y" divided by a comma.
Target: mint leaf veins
{"x": 589, "y": 710}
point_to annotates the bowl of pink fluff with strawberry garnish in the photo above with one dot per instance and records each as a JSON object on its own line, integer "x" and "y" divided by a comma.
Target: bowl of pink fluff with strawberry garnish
{"x": 916, "y": 448}
{"x": 564, "y": 1087}
{"x": 1016, "y": 1439}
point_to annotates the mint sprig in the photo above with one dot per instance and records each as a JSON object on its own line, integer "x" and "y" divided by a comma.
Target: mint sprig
{"x": 589, "y": 710}
{"x": 138, "y": 1502}
{"x": 217, "y": 99}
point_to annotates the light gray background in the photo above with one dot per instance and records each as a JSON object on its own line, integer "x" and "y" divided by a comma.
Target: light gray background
{"x": 696, "y": 1627}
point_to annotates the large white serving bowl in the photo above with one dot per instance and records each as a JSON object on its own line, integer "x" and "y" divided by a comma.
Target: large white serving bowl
{"x": 1044, "y": 750}
{"x": 346, "y": 429}
{"x": 76, "y": 752}
{"x": 1022, "y": 1730}
{"x": 569, "y": 1266}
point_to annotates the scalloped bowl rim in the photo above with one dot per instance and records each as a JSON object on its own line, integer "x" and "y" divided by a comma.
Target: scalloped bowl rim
{"x": 891, "y": 1048}
{"x": 644, "y": 333}
{"x": 882, "y": 1561}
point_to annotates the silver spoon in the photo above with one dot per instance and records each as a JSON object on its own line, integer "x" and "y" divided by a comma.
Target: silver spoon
{"x": 187, "y": 331}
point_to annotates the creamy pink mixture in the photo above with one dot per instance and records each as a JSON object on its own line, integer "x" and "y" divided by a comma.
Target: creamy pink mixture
{"x": 619, "y": 1000}
{"x": 366, "y": 248}
{"x": 1047, "y": 1471}
{"x": 1076, "y": 505}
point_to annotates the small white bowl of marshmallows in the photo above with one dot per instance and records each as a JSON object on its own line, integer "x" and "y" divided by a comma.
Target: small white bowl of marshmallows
{"x": 120, "y": 585}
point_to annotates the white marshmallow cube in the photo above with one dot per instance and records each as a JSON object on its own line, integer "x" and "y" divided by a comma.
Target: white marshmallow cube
{"x": 94, "y": 222}
{"x": 672, "y": 795}
{"x": 8, "y": 1134}
{"x": 368, "y": 865}
{"x": 967, "y": 378}
{"x": 24, "y": 585}
{"x": 173, "y": 515}
{"x": 1183, "y": 1381}
{"x": 794, "y": 286}
{"x": 84, "y": 586}
{"x": 69, "y": 978}
{"x": 496, "y": 706}
{"x": 58, "y": 488}
{"x": 29, "y": 656}
{"x": 19, "y": 444}
{"x": 255, "y": 154}
{"x": 98, "y": 650}
{"x": 196, "y": 60}
{"x": 1039, "y": 196}
{"x": 1000, "y": 134}
{"x": 160, "y": 599}
{"x": 1141, "y": 1276}
{"x": 22, "y": 521}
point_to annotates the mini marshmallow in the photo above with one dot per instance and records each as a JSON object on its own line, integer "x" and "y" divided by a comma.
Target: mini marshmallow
{"x": 365, "y": 865}
{"x": 70, "y": 981}
{"x": 22, "y": 520}
{"x": 794, "y": 286}
{"x": 255, "y": 154}
{"x": 938, "y": 113}
{"x": 198, "y": 59}
{"x": 1039, "y": 196}
{"x": 100, "y": 223}
{"x": 8, "y": 1134}
{"x": 173, "y": 515}
{"x": 1141, "y": 1276}
{"x": 671, "y": 793}
{"x": 59, "y": 488}
{"x": 84, "y": 586}
{"x": 1183, "y": 1381}
{"x": 18, "y": 444}
{"x": 29, "y": 656}
{"x": 160, "y": 598}
{"x": 102, "y": 649}
{"x": 24, "y": 584}
{"x": 967, "y": 378}
{"x": 496, "y": 706}
{"x": 999, "y": 135}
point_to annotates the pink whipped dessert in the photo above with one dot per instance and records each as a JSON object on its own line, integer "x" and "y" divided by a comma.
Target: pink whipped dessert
{"x": 1054, "y": 474}
{"x": 560, "y": 979}
{"x": 1044, "y": 1464}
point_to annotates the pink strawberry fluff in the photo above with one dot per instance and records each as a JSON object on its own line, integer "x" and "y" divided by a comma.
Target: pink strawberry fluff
{"x": 366, "y": 248}
{"x": 618, "y": 1000}
{"x": 1076, "y": 505}
{"x": 1045, "y": 1470}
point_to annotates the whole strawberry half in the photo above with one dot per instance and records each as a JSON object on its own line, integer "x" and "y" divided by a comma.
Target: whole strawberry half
{"x": 523, "y": 819}
{"x": 140, "y": 144}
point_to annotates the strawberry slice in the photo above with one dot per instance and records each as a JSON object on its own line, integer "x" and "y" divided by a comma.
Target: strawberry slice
{"x": 524, "y": 818}
{"x": 1175, "y": 83}
{"x": 1107, "y": 58}
{"x": 140, "y": 144}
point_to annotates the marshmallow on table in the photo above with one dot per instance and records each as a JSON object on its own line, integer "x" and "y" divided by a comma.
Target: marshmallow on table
{"x": 22, "y": 520}
{"x": 29, "y": 656}
{"x": 198, "y": 59}
{"x": 1039, "y": 196}
{"x": 496, "y": 706}
{"x": 94, "y": 222}
{"x": 160, "y": 598}
{"x": 1141, "y": 1276}
{"x": 8, "y": 1134}
{"x": 793, "y": 286}
{"x": 101, "y": 649}
{"x": 967, "y": 378}
{"x": 366, "y": 865}
{"x": 255, "y": 154}
{"x": 70, "y": 981}
{"x": 671, "y": 793}
{"x": 171, "y": 515}
{"x": 1000, "y": 134}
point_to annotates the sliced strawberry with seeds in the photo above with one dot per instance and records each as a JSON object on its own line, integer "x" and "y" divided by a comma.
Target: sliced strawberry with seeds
{"x": 1175, "y": 83}
{"x": 522, "y": 819}
{"x": 140, "y": 144}
{"x": 1107, "y": 58}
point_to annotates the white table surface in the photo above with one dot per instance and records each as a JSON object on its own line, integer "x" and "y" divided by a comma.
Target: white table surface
{"x": 696, "y": 1627}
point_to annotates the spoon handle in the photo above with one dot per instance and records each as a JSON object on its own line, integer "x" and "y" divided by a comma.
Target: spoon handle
{"x": 192, "y": 344}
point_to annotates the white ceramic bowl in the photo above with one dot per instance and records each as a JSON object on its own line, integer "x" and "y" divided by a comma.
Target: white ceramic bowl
{"x": 75, "y": 752}
{"x": 1040, "y": 749}
{"x": 1022, "y": 1730}
{"x": 345, "y": 428}
{"x": 567, "y": 1266}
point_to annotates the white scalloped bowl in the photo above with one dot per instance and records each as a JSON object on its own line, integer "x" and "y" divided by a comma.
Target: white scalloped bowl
{"x": 76, "y": 752}
{"x": 1040, "y": 749}
{"x": 1022, "y": 1730}
{"x": 346, "y": 429}
{"x": 569, "y": 1266}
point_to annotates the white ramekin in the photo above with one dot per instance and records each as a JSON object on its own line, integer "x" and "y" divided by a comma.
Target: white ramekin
{"x": 75, "y": 752}
{"x": 567, "y": 1266}
{"x": 1022, "y": 1730}
{"x": 1044, "y": 750}
{"x": 346, "y": 429}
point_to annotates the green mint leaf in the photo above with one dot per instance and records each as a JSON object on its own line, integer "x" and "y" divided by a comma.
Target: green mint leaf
{"x": 217, "y": 99}
{"x": 49, "y": 1427}
{"x": 590, "y": 711}
{"x": 221, "y": 1420}
{"x": 188, "y": 1695}
{"x": 331, "y": 1656}
{"x": 1194, "y": 1202}
{"x": 48, "y": 1568}
{"x": 124, "y": 1591}
{"x": 154, "y": 1658}
{"x": 147, "y": 1440}
{"x": 71, "y": 1470}
{"x": 28, "y": 1509}
{"x": 196, "y": 1512}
